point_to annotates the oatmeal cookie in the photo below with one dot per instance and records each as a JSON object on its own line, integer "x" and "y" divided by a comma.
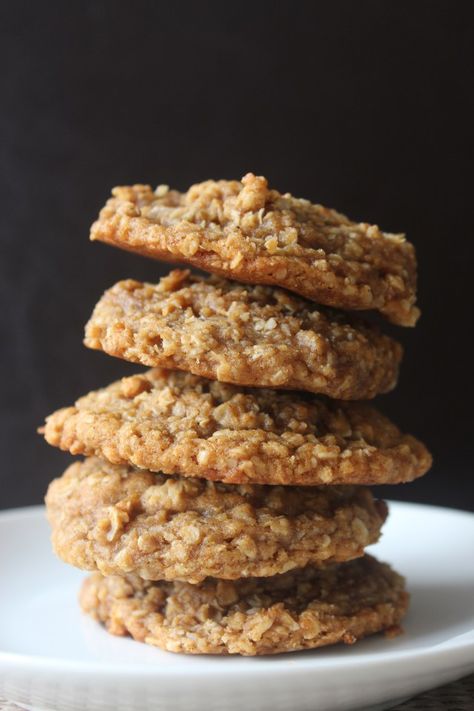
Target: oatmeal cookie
{"x": 244, "y": 231}
{"x": 246, "y": 335}
{"x": 179, "y": 423}
{"x": 301, "y": 609}
{"x": 122, "y": 520}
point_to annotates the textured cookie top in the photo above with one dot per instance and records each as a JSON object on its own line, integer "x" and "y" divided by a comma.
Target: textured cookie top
{"x": 301, "y": 609}
{"x": 121, "y": 520}
{"x": 182, "y": 424}
{"x": 246, "y": 335}
{"x": 247, "y": 232}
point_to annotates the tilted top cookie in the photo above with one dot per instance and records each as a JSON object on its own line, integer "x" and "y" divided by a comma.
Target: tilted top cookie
{"x": 246, "y": 335}
{"x": 179, "y": 423}
{"x": 123, "y": 520}
{"x": 244, "y": 231}
{"x": 302, "y": 609}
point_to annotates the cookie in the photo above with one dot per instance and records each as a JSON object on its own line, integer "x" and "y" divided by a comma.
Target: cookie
{"x": 121, "y": 520}
{"x": 244, "y": 231}
{"x": 179, "y": 423}
{"x": 246, "y": 335}
{"x": 301, "y": 609}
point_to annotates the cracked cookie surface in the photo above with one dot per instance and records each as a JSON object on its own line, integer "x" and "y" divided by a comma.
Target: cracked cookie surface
{"x": 247, "y": 335}
{"x": 302, "y": 609}
{"x": 247, "y": 232}
{"x": 120, "y": 520}
{"x": 179, "y": 423}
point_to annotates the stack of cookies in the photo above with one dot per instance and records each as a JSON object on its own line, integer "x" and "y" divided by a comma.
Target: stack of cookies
{"x": 223, "y": 500}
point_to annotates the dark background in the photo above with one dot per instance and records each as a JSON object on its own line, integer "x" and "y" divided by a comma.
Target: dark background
{"x": 365, "y": 106}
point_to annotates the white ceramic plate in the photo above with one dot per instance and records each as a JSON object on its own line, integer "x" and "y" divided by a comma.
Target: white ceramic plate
{"x": 53, "y": 657}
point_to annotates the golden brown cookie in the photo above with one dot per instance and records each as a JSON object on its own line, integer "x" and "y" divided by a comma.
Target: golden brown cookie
{"x": 302, "y": 609}
{"x": 179, "y": 423}
{"x": 246, "y": 335}
{"x": 244, "y": 231}
{"x": 121, "y": 520}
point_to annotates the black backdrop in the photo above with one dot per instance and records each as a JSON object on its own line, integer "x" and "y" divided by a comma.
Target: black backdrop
{"x": 365, "y": 106}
